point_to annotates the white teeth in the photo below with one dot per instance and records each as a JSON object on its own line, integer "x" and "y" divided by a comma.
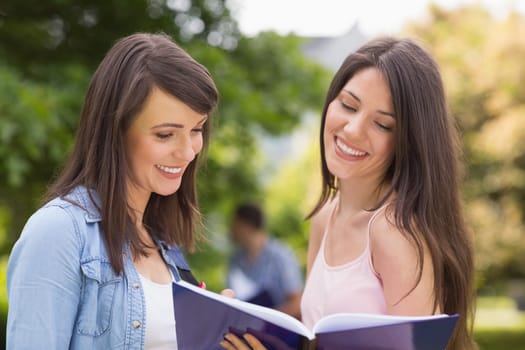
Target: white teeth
{"x": 168, "y": 169}
{"x": 348, "y": 150}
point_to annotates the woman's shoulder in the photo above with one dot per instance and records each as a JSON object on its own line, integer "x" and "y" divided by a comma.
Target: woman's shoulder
{"x": 51, "y": 235}
{"x": 403, "y": 265}
{"x": 80, "y": 199}
{"x": 383, "y": 228}
{"x": 319, "y": 223}
{"x": 389, "y": 242}
{"x": 321, "y": 218}
{"x": 52, "y": 222}
{"x": 63, "y": 216}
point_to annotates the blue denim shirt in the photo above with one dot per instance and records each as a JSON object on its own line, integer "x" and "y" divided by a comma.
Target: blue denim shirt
{"x": 62, "y": 290}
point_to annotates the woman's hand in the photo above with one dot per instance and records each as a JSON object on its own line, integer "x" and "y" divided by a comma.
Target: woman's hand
{"x": 249, "y": 339}
{"x": 232, "y": 342}
{"x": 252, "y": 339}
{"x": 228, "y": 293}
{"x": 248, "y": 342}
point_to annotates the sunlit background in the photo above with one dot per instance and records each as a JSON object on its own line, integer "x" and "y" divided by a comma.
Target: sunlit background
{"x": 335, "y": 17}
{"x": 272, "y": 61}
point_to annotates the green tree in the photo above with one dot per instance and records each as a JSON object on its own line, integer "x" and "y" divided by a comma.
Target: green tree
{"x": 294, "y": 190}
{"x": 64, "y": 31}
{"x": 36, "y": 130}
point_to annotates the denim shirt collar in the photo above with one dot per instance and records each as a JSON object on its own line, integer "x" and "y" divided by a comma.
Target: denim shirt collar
{"x": 89, "y": 200}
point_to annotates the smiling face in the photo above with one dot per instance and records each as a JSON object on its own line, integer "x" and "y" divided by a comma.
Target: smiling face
{"x": 161, "y": 142}
{"x": 359, "y": 128}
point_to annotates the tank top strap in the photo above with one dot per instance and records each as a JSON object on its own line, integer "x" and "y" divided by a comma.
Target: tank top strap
{"x": 376, "y": 212}
{"x": 328, "y": 226}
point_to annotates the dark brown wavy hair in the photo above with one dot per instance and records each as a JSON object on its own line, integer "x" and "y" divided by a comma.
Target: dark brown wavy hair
{"x": 115, "y": 96}
{"x": 425, "y": 174}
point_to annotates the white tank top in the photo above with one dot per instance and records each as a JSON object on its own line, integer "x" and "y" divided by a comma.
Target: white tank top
{"x": 160, "y": 318}
{"x": 352, "y": 287}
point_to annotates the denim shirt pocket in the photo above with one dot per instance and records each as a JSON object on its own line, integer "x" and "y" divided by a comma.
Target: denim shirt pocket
{"x": 97, "y": 297}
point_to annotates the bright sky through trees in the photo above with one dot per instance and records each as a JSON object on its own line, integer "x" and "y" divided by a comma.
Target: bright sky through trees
{"x": 335, "y": 17}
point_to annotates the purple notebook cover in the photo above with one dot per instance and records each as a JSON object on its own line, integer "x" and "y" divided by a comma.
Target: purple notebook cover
{"x": 202, "y": 323}
{"x": 413, "y": 335}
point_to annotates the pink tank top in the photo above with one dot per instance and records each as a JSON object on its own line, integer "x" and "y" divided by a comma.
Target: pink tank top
{"x": 350, "y": 287}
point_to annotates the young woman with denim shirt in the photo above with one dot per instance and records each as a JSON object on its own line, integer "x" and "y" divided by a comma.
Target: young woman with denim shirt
{"x": 93, "y": 267}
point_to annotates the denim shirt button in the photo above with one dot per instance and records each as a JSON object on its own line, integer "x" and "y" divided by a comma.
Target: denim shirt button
{"x": 136, "y": 285}
{"x": 136, "y": 324}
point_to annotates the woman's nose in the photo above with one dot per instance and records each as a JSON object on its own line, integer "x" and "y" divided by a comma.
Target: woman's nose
{"x": 355, "y": 125}
{"x": 184, "y": 149}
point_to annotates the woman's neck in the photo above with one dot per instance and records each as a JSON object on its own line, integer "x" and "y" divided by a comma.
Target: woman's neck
{"x": 364, "y": 195}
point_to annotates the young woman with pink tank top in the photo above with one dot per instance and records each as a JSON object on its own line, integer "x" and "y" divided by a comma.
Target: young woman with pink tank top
{"x": 387, "y": 233}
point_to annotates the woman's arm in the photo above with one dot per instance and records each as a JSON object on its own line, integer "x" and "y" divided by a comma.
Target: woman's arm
{"x": 395, "y": 260}
{"x": 43, "y": 282}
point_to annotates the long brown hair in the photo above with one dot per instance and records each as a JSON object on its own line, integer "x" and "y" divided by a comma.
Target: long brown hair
{"x": 116, "y": 94}
{"x": 425, "y": 173}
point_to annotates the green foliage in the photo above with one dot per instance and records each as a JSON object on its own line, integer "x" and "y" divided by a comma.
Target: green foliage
{"x": 266, "y": 86}
{"x": 64, "y": 31}
{"x": 292, "y": 193}
{"x": 36, "y": 131}
{"x": 277, "y": 71}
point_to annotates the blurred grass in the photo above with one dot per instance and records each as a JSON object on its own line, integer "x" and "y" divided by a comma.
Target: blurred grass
{"x": 499, "y": 325}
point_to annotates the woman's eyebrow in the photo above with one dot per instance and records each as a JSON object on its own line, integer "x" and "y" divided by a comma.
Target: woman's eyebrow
{"x": 390, "y": 114}
{"x": 168, "y": 125}
{"x": 176, "y": 125}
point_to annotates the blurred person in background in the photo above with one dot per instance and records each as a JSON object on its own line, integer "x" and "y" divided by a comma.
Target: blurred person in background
{"x": 262, "y": 270}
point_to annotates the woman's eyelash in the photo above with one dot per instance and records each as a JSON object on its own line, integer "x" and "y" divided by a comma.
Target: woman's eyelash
{"x": 384, "y": 127}
{"x": 347, "y": 106}
{"x": 163, "y": 136}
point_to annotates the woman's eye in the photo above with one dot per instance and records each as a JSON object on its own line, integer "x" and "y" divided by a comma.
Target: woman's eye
{"x": 384, "y": 127}
{"x": 163, "y": 136}
{"x": 348, "y": 107}
{"x": 197, "y": 130}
